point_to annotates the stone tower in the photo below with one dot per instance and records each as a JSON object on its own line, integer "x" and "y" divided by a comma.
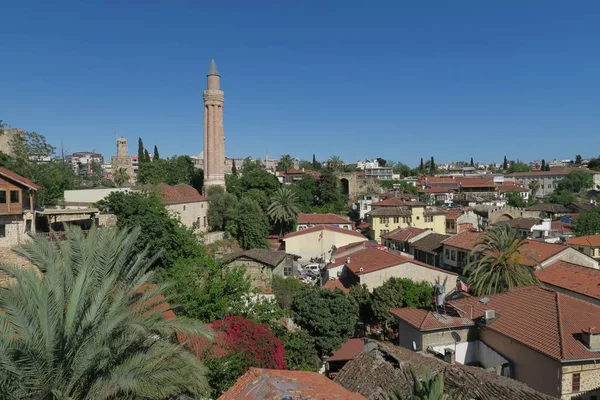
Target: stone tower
{"x": 122, "y": 159}
{"x": 214, "y": 141}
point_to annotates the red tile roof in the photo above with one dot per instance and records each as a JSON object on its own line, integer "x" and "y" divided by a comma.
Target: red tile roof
{"x": 403, "y": 234}
{"x": 371, "y": 260}
{"x": 452, "y": 215}
{"x": 396, "y": 202}
{"x": 321, "y": 219}
{"x": 562, "y": 227}
{"x": 543, "y": 173}
{"x": 178, "y": 194}
{"x": 18, "y": 178}
{"x": 512, "y": 188}
{"x": 268, "y": 384}
{"x": 349, "y": 350}
{"x": 332, "y": 284}
{"x": 352, "y": 246}
{"x": 426, "y": 320}
{"x": 572, "y": 277}
{"x": 466, "y": 240}
{"x": 436, "y": 189}
{"x": 324, "y": 228}
{"x": 589, "y": 240}
{"x": 542, "y": 319}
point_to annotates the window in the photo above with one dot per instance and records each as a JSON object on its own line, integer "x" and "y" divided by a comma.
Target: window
{"x": 575, "y": 382}
{"x": 184, "y": 208}
{"x": 2, "y": 196}
{"x": 447, "y": 254}
{"x": 204, "y": 220}
{"x": 396, "y": 220}
{"x": 385, "y": 220}
{"x": 428, "y": 218}
{"x": 288, "y": 271}
{"x": 2, "y": 230}
{"x": 14, "y": 196}
{"x": 453, "y": 255}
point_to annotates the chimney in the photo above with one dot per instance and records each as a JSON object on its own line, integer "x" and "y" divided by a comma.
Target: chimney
{"x": 369, "y": 345}
{"x": 348, "y": 260}
{"x": 449, "y": 356}
{"x": 591, "y": 338}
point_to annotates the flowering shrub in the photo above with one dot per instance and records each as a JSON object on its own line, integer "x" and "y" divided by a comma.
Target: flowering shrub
{"x": 256, "y": 342}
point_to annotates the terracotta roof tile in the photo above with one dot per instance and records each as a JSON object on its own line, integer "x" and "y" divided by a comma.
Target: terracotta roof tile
{"x": 427, "y": 320}
{"x": 429, "y": 243}
{"x": 589, "y": 240}
{"x": 403, "y": 234}
{"x": 396, "y": 202}
{"x": 466, "y": 240}
{"x": 534, "y": 174}
{"x": 324, "y": 228}
{"x": 18, "y": 178}
{"x": 177, "y": 194}
{"x": 437, "y": 189}
{"x": 348, "y": 350}
{"x": 562, "y": 227}
{"x": 390, "y": 212}
{"x": 322, "y": 219}
{"x": 549, "y": 208}
{"x": 271, "y": 384}
{"x": 452, "y": 215}
{"x": 520, "y": 223}
{"x": 575, "y": 278}
{"x": 352, "y": 246}
{"x": 540, "y": 318}
{"x": 332, "y": 284}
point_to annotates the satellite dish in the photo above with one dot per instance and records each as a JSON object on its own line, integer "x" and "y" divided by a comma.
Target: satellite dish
{"x": 455, "y": 336}
{"x": 414, "y": 346}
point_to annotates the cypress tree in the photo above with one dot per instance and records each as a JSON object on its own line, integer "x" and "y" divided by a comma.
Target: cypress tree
{"x": 431, "y": 166}
{"x": 421, "y": 166}
{"x": 314, "y": 162}
{"x": 472, "y": 163}
{"x": 140, "y": 150}
{"x": 233, "y": 168}
{"x": 156, "y": 155}
{"x": 146, "y": 155}
{"x": 543, "y": 167}
{"x": 505, "y": 164}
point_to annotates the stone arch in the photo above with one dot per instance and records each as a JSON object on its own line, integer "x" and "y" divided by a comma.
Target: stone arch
{"x": 345, "y": 186}
{"x": 504, "y": 217}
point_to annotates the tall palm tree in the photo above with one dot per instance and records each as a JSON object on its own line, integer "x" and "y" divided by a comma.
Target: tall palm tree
{"x": 285, "y": 163}
{"x": 283, "y": 208}
{"x": 335, "y": 163}
{"x": 497, "y": 264}
{"x": 534, "y": 186}
{"x": 120, "y": 176}
{"x": 84, "y": 324}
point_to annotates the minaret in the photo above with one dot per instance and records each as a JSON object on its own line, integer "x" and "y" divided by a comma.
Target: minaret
{"x": 214, "y": 142}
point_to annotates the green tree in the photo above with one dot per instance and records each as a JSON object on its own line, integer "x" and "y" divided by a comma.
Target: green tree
{"x": 285, "y": 290}
{"x": 250, "y": 165}
{"x": 156, "y": 155}
{"x": 249, "y": 226}
{"x": 328, "y": 190}
{"x": 306, "y": 192}
{"x": 314, "y": 163}
{"x": 285, "y": 163}
{"x": 543, "y": 167}
{"x": 518, "y": 167}
{"x": 88, "y": 330}
{"x": 362, "y": 297}
{"x": 233, "y": 168}
{"x": 588, "y": 223}
{"x": 159, "y": 230}
{"x": 576, "y": 182}
{"x": 327, "y": 316}
{"x": 283, "y": 209}
{"x": 432, "y": 166}
{"x": 335, "y": 163}
{"x": 206, "y": 290}
{"x": 498, "y": 262}
{"x": 505, "y": 164}
{"x": 258, "y": 178}
{"x": 259, "y": 197}
{"x": 146, "y": 156}
{"x": 563, "y": 196}
{"x": 472, "y": 164}
{"x": 233, "y": 185}
{"x": 300, "y": 351}
{"x": 421, "y": 166}
{"x": 402, "y": 169}
{"x": 516, "y": 200}
{"x": 140, "y": 151}
{"x": 223, "y": 372}
{"x": 578, "y": 159}
{"x": 221, "y": 208}
{"x": 594, "y": 164}
{"x": 398, "y": 293}
{"x": 534, "y": 186}
{"x": 120, "y": 176}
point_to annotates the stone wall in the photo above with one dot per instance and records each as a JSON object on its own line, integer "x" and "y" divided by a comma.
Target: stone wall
{"x": 505, "y": 213}
{"x": 212, "y": 237}
{"x": 589, "y": 381}
{"x": 14, "y": 230}
{"x": 192, "y": 215}
{"x": 107, "y": 220}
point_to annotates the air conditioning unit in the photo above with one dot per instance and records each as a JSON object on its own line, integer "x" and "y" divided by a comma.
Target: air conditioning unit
{"x": 361, "y": 269}
{"x": 489, "y": 315}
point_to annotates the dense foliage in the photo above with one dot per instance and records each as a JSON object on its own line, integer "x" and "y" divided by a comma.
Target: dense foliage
{"x": 397, "y": 293}
{"x": 588, "y": 223}
{"x": 283, "y": 209}
{"x": 90, "y": 327}
{"x": 518, "y": 167}
{"x": 172, "y": 171}
{"x": 285, "y": 290}
{"x": 327, "y": 316}
{"x": 159, "y": 230}
{"x": 249, "y": 225}
{"x": 498, "y": 263}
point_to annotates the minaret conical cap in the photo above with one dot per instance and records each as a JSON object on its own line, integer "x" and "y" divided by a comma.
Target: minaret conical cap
{"x": 212, "y": 70}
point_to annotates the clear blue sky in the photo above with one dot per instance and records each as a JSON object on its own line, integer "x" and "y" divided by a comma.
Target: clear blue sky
{"x": 399, "y": 80}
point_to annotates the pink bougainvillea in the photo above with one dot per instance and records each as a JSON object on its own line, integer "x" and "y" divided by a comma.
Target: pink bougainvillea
{"x": 256, "y": 342}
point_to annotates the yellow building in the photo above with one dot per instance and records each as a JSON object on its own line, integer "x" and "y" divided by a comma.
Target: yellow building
{"x": 588, "y": 245}
{"x": 395, "y": 214}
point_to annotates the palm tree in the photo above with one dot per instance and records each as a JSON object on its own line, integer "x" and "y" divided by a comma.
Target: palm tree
{"x": 120, "y": 176}
{"x": 534, "y": 186}
{"x": 283, "y": 208}
{"x": 335, "y": 163}
{"x": 285, "y": 163}
{"x": 497, "y": 264}
{"x": 85, "y": 324}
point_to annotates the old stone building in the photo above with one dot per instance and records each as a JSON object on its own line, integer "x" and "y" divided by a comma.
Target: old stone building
{"x": 185, "y": 202}
{"x": 122, "y": 160}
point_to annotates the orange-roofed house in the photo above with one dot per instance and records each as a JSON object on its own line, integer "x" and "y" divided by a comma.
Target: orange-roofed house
{"x": 319, "y": 241}
{"x": 373, "y": 267}
{"x": 543, "y": 338}
{"x": 574, "y": 280}
{"x": 271, "y": 384}
{"x": 186, "y": 202}
{"x": 306, "y": 221}
{"x": 17, "y": 204}
{"x": 588, "y": 245}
